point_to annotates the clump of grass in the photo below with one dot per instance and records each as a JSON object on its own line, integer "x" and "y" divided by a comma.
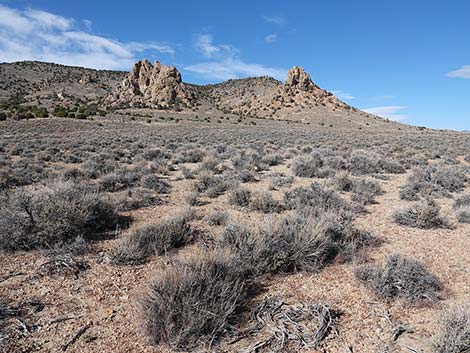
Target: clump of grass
{"x": 194, "y": 301}
{"x": 154, "y": 238}
{"x": 57, "y": 214}
{"x": 193, "y": 198}
{"x": 425, "y": 215}
{"x": 454, "y": 333}
{"x": 401, "y": 278}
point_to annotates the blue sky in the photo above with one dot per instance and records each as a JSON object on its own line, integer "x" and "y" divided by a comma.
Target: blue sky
{"x": 406, "y": 60}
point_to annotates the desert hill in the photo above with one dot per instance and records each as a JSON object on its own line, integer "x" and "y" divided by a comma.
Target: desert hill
{"x": 157, "y": 88}
{"x": 47, "y": 83}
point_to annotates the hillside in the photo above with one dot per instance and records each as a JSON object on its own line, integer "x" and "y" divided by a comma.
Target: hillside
{"x": 48, "y": 84}
{"x": 159, "y": 89}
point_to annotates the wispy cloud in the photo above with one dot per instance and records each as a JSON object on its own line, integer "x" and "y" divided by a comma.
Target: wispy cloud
{"x": 343, "y": 95}
{"x": 226, "y": 63}
{"x": 270, "y": 38}
{"x": 276, "y": 19}
{"x": 205, "y": 45}
{"x": 38, "y": 35}
{"x": 392, "y": 112}
{"x": 382, "y": 98}
{"x": 463, "y": 72}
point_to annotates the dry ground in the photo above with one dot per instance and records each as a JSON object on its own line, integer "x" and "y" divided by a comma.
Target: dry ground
{"x": 104, "y": 295}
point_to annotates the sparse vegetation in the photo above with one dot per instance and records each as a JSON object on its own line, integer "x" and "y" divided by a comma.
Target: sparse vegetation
{"x": 425, "y": 214}
{"x": 57, "y": 214}
{"x": 435, "y": 180}
{"x": 193, "y": 300}
{"x": 301, "y": 242}
{"x": 154, "y": 238}
{"x": 454, "y": 331}
{"x": 277, "y": 191}
{"x": 401, "y": 278}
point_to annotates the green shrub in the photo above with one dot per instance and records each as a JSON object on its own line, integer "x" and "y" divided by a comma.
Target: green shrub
{"x": 60, "y": 112}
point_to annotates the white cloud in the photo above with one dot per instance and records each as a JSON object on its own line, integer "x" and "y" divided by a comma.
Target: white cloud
{"x": 463, "y": 72}
{"x": 226, "y": 64}
{"x": 48, "y": 20}
{"x": 343, "y": 95}
{"x": 88, "y": 24}
{"x": 38, "y": 35}
{"x": 276, "y": 19}
{"x": 271, "y": 38}
{"x": 392, "y": 112}
{"x": 231, "y": 68}
{"x": 205, "y": 45}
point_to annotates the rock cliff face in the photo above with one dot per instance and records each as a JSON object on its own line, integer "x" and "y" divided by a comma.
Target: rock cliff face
{"x": 150, "y": 85}
{"x": 298, "y": 78}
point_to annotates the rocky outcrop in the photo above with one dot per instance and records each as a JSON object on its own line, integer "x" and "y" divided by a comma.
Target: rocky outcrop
{"x": 150, "y": 85}
{"x": 298, "y": 78}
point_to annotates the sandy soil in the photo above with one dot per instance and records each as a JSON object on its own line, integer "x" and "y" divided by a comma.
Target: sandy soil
{"x": 104, "y": 296}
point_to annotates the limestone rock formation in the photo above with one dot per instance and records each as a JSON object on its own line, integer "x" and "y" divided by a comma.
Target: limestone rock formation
{"x": 150, "y": 85}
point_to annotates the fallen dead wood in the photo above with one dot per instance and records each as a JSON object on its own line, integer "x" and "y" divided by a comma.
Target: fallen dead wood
{"x": 77, "y": 336}
{"x": 279, "y": 325}
{"x": 11, "y": 275}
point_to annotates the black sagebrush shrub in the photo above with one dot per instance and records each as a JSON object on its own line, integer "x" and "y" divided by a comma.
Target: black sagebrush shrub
{"x": 400, "y": 278}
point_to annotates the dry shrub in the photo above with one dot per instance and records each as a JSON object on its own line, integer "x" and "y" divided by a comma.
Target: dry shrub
{"x": 154, "y": 238}
{"x": 307, "y": 166}
{"x": 316, "y": 196}
{"x": 463, "y": 214}
{"x": 240, "y": 197}
{"x": 156, "y": 184}
{"x": 400, "y": 278}
{"x": 193, "y": 301}
{"x": 435, "y": 180}
{"x": 304, "y": 241}
{"x": 454, "y": 333}
{"x": 216, "y": 218}
{"x": 424, "y": 214}
{"x": 264, "y": 201}
{"x": 462, "y": 208}
{"x": 364, "y": 191}
{"x": 278, "y": 180}
{"x": 342, "y": 181}
{"x": 119, "y": 180}
{"x": 57, "y": 214}
{"x": 213, "y": 185}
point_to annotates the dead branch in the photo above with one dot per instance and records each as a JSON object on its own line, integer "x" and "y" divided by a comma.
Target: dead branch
{"x": 77, "y": 336}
